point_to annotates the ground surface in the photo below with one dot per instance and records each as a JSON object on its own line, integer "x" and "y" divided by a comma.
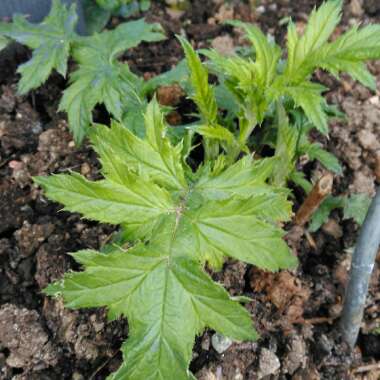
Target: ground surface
{"x": 296, "y": 313}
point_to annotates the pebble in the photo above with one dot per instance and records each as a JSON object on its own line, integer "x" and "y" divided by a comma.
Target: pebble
{"x": 260, "y": 9}
{"x": 220, "y": 343}
{"x": 268, "y": 363}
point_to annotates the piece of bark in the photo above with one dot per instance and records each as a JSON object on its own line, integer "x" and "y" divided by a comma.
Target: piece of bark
{"x": 316, "y": 196}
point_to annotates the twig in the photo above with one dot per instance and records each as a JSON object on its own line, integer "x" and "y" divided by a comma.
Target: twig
{"x": 320, "y": 320}
{"x": 316, "y": 196}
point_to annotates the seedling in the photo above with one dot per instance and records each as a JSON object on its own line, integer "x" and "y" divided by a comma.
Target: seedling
{"x": 100, "y": 77}
{"x": 179, "y": 220}
{"x": 174, "y": 219}
{"x": 278, "y": 93}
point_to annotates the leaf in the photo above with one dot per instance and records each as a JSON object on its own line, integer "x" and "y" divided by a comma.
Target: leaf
{"x": 51, "y": 42}
{"x": 135, "y": 202}
{"x": 349, "y": 52}
{"x": 286, "y": 148}
{"x": 356, "y": 207}
{"x": 203, "y": 96}
{"x": 167, "y": 298}
{"x": 179, "y": 74}
{"x": 153, "y": 158}
{"x": 96, "y": 17}
{"x": 101, "y": 78}
{"x": 322, "y": 214}
{"x": 307, "y": 95}
{"x": 216, "y": 132}
{"x": 237, "y": 228}
{"x": 304, "y": 51}
{"x": 248, "y": 80}
{"x": 244, "y": 178}
{"x": 299, "y": 179}
{"x": 328, "y": 160}
{"x": 267, "y": 54}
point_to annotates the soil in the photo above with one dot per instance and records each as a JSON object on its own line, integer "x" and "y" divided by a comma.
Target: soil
{"x": 296, "y": 313}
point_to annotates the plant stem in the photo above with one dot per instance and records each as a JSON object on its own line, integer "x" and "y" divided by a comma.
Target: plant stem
{"x": 316, "y": 196}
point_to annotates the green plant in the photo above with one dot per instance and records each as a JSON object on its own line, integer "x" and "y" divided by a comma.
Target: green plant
{"x": 270, "y": 90}
{"x": 178, "y": 220}
{"x": 100, "y": 77}
{"x": 174, "y": 219}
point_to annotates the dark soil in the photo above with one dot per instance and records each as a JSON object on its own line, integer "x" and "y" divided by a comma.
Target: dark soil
{"x": 296, "y": 313}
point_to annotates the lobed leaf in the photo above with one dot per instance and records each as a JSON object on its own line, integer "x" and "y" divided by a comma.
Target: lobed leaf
{"x": 203, "y": 96}
{"x": 101, "y": 78}
{"x": 349, "y": 52}
{"x": 154, "y": 157}
{"x": 136, "y": 202}
{"x": 167, "y": 298}
{"x": 51, "y": 42}
{"x": 238, "y": 229}
{"x": 304, "y": 51}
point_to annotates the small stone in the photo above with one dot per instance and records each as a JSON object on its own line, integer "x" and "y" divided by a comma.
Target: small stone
{"x": 375, "y": 100}
{"x": 77, "y": 376}
{"x": 368, "y": 140}
{"x": 356, "y": 8}
{"x": 220, "y": 343}
{"x": 260, "y": 9}
{"x": 269, "y": 363}
{"x": 273, "y": 7}
{"x": 85, "y": 168}
{"x": 296, "y": 356}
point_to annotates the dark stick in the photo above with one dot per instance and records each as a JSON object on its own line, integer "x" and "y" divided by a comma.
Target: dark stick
{"x": 361, "y": 269}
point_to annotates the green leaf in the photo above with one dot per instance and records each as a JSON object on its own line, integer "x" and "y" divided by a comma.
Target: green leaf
{"x": 299, "y": 179}
{"x": 51, "y": 42}
{"x": 203, "y": 96}
{"x": 215, "y": 132}
{"x": 95, "y": 16}
{"x": 328, "y": 160}
{"x": 321, "y": 216}
{"x": 307, "y": 95}
{"x": 237, "y": 228}
{"x": 245, "y": 178}
{"x": 179, "y": 74}
{"x": 135, "y": 201}
{"x": 154, "y": 157}
{"x": 167, "y": 298}
{"x": 267, "y": 54}
{"x": 348, "y": 52}
{"x": 101, "y": 78}
{"x": 304, "y": 51}
{"x": 286, "y": 148}
{"x": 356, "y": 207}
